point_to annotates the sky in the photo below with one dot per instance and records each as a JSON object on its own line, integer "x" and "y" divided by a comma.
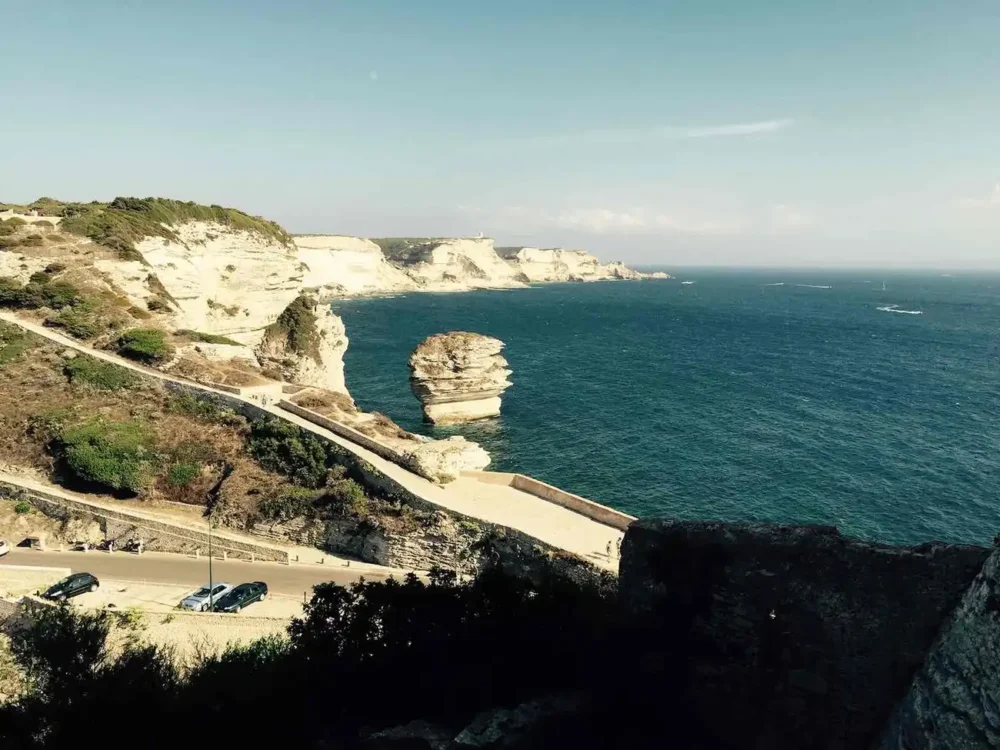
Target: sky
{"x": 776, "y": 132}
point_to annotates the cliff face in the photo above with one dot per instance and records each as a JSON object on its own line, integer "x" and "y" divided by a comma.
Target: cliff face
{"x": 454, "y": 264}
{"x": 952, "y": 702}
{"x": 567, "y": 265}
{"x": 306, "y": 344}
{"x": 223, "y": 281}
{"x": 795, "y": 637}
{"x": 337, "y": 265}
{"x": 459, "y": 376}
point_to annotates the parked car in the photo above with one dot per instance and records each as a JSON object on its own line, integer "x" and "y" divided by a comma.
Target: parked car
{"x": 242, "y": 596}
{"x": 70, "y": 586}
{"x": 4, "y": 548}
{"x": 203, "y": 599}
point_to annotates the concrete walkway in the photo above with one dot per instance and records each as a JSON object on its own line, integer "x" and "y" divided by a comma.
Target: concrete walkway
{"x": 505, "y": 506}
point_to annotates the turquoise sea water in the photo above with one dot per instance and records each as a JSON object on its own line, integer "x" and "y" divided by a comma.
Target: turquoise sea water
{"x": 733, "y": 397}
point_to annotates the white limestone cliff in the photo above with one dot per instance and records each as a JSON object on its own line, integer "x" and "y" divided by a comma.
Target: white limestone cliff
{"x": 456, "y": 265}
{"x": 444, "y": 460}
{"x": 335, "y": 265}
{"x": 459, "y": 376}
{"x": 558, "y": 264}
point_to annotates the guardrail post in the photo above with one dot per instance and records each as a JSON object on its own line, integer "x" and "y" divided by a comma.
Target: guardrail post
{"x": 253, "y": 557}
{"x": 225, "y": 555}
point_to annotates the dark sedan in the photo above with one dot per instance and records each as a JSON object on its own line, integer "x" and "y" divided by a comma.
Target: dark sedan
{"x": 241, "y": 597}
{"x": 74, "y": 585}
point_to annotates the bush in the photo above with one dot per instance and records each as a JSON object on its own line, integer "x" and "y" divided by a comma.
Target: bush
{"x": 15, "y": 221}
{"x": 206, "y": 338}
{"x": 54, "y": 268}
{"x": 39, "y": 277}
{"x": 291, "y": 503}
{"x": 116, "y": 455}
{"x": 147, "y": 345}
{"x": 287, "y": 449}
{"x": 40, "y": 291}
{"x": 102, "y": 375}
{"x": 182, "y": 473}
{"x": 206, "y": 410}
{"x": 33, "y": 240}
{"x": 7, "y": 229}
{"x": 22, "y": 507}
{"x": 157, "y": 304}
{"x": 297, "y": 324}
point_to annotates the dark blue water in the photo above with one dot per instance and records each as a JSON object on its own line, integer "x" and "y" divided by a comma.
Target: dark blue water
{"x": 730, "y": 399}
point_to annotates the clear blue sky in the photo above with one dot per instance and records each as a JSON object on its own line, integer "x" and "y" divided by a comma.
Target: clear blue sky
{"x": 833, "y": 133}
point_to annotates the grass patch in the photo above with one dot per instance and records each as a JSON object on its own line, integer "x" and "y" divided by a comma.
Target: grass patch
{"x": 13, "y": 343}
{"x": 101, "y": 375}
{"x": 116, "y": 455}
{"x": 183, "y": 473}
{"x": 297, "y": 324}
{"x": 207, "y": 338}
{"x": 146, "y": 345}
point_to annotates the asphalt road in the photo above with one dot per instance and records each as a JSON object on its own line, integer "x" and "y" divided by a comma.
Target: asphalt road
{"x": 157, "y": 567}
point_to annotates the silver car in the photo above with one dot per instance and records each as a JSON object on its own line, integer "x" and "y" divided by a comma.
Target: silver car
{"x": 203, "y": 599}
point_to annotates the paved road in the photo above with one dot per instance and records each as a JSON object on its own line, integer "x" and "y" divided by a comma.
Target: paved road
{"x": 156, "y": 567}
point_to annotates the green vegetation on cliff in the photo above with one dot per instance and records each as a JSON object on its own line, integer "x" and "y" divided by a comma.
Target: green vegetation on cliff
{"x": 118, "y": 455}
{"x": 297, "y": 323}
{"x": 123, "y": 222}
{"x": 146, "y": 345}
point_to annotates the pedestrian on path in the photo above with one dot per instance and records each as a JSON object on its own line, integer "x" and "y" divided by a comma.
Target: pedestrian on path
{"x": 608, "y": 550}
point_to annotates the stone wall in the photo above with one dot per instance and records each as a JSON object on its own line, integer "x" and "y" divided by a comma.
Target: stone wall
{"x": 156, "y": 535}
{"x": 344, "y": 431}
{"x": 953, "y": 702}
{"x": 789, "y": 637}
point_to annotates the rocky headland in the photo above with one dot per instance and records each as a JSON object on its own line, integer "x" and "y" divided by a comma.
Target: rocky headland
{"x": 459, "y": 376}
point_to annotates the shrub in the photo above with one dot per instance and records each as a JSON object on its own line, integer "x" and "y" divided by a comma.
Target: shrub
{"x": 147, "y": 345}
{"x": 33, "y": 240}
{"x": 287, "y": 449}
{"x": 291, "y": 503}
{"x": 22, "y": 507}
{"x": 39, "y": 277}
{"x": 54, "y": 268}
{"x": 157, "y": 304}
{"x": 40, "y": 291}
{"x": 80, "y": 321}
{"x": 117, "y": 455}
{"x": 44, "y": 224}
{"x": 206, "y": 410}
{"x": 297, "y": 323}
{"x": 207, "y": 338}
{"x": 7, "y": 229}
{"x": 15, "y": 221}
{"x": 182, "y": 473}
{"x": 102, "y": 375}
{"x": 8, "y": 243}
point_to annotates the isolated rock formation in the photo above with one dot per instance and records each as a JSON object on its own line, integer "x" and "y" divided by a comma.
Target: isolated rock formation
{"x": 444, "y": 460}
{"x": 459, "y": 376}
{"x": 306, "y": 345}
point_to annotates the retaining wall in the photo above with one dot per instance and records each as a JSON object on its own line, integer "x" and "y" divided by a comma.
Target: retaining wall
{"x": 156, "y": 535}
{"x": 346, "y": 432}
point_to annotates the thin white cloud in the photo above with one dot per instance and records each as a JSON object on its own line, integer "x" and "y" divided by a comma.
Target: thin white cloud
{"x": 991, "y": 200}
{"x": 662, "y": 133}
{"x": 601, "y": 220}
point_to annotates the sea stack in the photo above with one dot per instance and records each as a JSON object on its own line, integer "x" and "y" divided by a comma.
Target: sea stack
{"x": 459, "y": 376}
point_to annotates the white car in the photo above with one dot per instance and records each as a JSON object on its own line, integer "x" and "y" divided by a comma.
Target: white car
{"x": 203, "y": 599}
{"x": 4, "y": 548}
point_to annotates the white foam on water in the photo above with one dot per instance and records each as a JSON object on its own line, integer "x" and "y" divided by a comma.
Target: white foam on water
{"x": 895, "y": 309}
{"x": 687, "y": 282}
{"x": 776, "y": 283}
{"x": 814, "y": 286}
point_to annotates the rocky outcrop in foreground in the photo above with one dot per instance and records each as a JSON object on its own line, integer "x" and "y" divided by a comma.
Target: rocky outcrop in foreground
{"x": 306, "y": 345}
{"x": 444, "y": 460}
{"x": 459, "y": 376}
{"x": 796, "y": 637}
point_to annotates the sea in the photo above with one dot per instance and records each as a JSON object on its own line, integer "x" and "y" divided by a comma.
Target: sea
{"x": 865, "y": 400}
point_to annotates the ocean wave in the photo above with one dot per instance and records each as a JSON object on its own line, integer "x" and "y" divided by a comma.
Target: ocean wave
{"x": 895, "y": 309}
{"x": 687, "y": 282}
{"x": 776, "y": 283}
{"x": 815, "y": 286}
